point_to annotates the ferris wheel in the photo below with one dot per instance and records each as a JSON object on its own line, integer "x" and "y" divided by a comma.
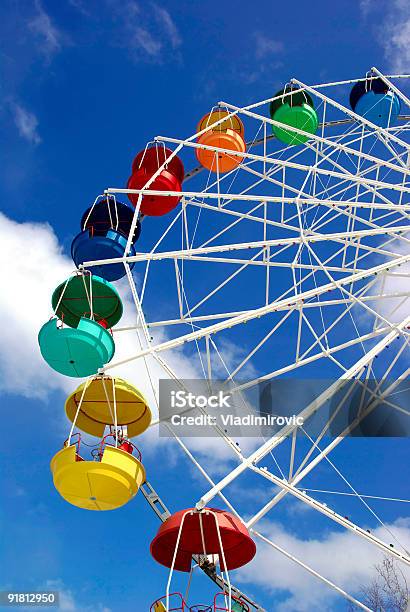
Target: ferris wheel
{"x": 284, "y": 252}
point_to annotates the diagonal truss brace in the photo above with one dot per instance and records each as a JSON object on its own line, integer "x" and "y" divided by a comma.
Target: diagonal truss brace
{"x": 324, "y": 509}
{"x": 282, "y": 435}
{"x": 259, "y": 312}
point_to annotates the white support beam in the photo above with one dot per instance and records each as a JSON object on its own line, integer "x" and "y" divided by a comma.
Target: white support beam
{"x": 275, "y": 161}
{"x": 257, "y": 244}
{"x": 263, "y": 310}
{"x": 392, "y": 86}
{"x": 310, "y": 570}
{"x": 304, "y": 470}
{"x": 334, "y": 516}
{"x": 361, "y": 120}
{"x": 333, "y": 143}
{"x": 239, "y": 197}
{"x": 305, "y": 414}
{"x": 268, "y": 541}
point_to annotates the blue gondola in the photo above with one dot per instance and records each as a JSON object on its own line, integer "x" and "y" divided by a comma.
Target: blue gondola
{"x": 373, "y": 100}
{"x": 104, "y": 235}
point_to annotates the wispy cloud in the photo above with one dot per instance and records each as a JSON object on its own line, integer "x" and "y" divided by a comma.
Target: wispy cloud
{"x": 67, "y": 601}
{"x": 48, "y": 35}
{"x": 340, "y": 556}
{"x": 153, "y": 31}
{"x": 394, "y": 35}
{"x": 168, "y": 25}
{"x": 146, "y": 41}
{"x": 265, "y": 46}
{"x": 26, "y": 123}
{"x": 365, "y": 7}
{"x": 264, "y": 56}
{"x": 130, "y": 8}
{"x": 148, "y": 31}
{"x": 79, "y": 6}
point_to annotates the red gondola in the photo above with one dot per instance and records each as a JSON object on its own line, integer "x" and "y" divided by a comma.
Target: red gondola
{"x": 238, "y": 548}
{"x": 154, "y": 205}
{"x": 144, "y": 166}
{"x": 153, "y": 157}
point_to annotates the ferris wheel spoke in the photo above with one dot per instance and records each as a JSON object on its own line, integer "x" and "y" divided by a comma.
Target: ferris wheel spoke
{"x": 347, "y": 494}
{"x": 304, "y": 469}
{"x": 263, "y": 450}
{"x": 310, "y": 570}
{"x": 342, "y": 289}
{"x": 319, "y": 139}
{"x": 334, "y": 516}
{"x": 327, "y": 352}
{"x": 352, "y": 114}
{"x": 367, "y": 170}
{"x": 307, "y": 306}
{"x": 281, "y": 550}
{"x": 357, "y": 495}
{"x": 367, "y": 250}
{"x": 349, "y": 305}
{"x": 259, "y": 345}
{"x": 301, "y": 239}
{"x": 371, "y": 190}
{"x": 349, "y": 207}
{"x": 392, "y": 86}
{"x": 268, "y": 263}
{"x": 396, "y": 308}
{"x": 258, "y": 312}
{"x": 345, "y": 175}
{"x": 378, "y": 395}
{"x": 348, "y": 203}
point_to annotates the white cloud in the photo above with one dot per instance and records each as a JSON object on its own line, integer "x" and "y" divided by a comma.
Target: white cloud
{"x": 168, "y": 25}
{"x": 144, "y": 39}
{"x": 394, "y": 309}
{"x": 79, "y": 6}
{"x": 395, "y": 37}
{"x": 36, "y": 265}
{"x": 47, "y": 34}
{"x": 148, "y": 31}
{"x": 26, "y": 122}
{"x": 265, "y": 46}
{"x": 394, "y": 32}
{"x": 67, "y": 601}
{"x": 341, "y": 556}
{"x": 365, "y": 7}
{"x": 266, "y": 51}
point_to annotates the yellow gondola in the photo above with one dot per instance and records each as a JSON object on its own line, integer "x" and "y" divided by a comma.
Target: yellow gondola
{"x": 97, "y": 407}
{"x": 105, "y": 484}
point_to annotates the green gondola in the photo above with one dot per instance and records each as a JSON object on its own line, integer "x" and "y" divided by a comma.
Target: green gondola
{"x": 295, "y": 108}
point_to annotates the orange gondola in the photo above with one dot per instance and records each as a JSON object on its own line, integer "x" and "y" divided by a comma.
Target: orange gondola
{"x": 228, "y": 135}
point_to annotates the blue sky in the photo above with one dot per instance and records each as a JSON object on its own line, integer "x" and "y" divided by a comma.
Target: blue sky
{"x": 84, "y": 85}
